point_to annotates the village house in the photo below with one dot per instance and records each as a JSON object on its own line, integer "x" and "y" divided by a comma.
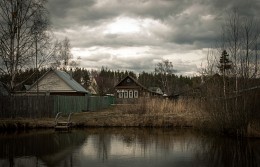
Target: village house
{"x": 57, "y": 82}
{"x": 129, "y": 90}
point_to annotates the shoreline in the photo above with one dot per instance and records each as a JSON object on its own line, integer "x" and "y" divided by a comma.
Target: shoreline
{"x": 106, "y": 118}
{"x": 143, "y": 121}
{"x": 110, "y": 118}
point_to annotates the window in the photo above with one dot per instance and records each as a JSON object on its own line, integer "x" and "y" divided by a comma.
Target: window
{"x": 135, "y": 94}
{"x": 130, "y": 94}
{"x": 125, "y": 94}
{"x": 120, "y": 94}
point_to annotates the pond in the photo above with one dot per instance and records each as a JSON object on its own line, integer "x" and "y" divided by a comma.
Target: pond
{"x": 125, "y": 147}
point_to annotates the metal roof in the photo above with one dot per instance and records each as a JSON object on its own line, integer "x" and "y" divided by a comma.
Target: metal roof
{"x": 67, "y": 79}
{"x": 70, "y": 81}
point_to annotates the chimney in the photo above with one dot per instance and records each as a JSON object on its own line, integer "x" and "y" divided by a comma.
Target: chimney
{"x": 71, "y": 74}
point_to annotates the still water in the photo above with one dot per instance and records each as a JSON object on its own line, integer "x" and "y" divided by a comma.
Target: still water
{"x": 125, "y": 147}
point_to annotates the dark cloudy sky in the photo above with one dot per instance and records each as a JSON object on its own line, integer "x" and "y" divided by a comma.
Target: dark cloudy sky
{"x": 137, "y": 34}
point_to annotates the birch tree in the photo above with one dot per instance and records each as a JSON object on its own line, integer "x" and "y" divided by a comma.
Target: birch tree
{"x": 20, "y": 29}
{"x": 164, "y": 69}
{"x": 62, "y": 54}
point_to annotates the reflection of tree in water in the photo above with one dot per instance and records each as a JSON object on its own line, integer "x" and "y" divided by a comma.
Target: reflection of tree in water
{"x": 229, "y": 152}
{"x": 47, "y": 146}
{"x": 165, "y": 139}
{"x": 103, "y": 145}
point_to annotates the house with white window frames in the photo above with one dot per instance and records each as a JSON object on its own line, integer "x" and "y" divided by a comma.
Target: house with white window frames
{"x": 129, "y": 88}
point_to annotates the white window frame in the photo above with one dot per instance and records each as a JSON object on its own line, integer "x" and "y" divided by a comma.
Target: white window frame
{"x": 131, "y": 95}
{"x": 120, "y": 94}
{"x": 125, "y": 94}
{"x": 135, "y": 93}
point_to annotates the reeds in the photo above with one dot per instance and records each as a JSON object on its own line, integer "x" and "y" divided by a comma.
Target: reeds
{"x": 158, "y": 112}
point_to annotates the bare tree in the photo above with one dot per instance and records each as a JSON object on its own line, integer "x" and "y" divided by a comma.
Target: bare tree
{"x": 234, "y": 108}
{"x": 241, "y": 41}
{"x": 164, "y": 69}
{"x": 62, "y": 54}
{"x": 250, "y": 34}
{"x": 20, "y": 29}
{"x": 66, "y": 51}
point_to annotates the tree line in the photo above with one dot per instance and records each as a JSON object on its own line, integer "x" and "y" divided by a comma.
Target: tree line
{"x": 106, "y": 79}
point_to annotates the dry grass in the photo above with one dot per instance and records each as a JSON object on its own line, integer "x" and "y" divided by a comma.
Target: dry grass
{"x": 26, "y": 123}
{"x": 163, "y": 112}
{"x": 146, "y": 113}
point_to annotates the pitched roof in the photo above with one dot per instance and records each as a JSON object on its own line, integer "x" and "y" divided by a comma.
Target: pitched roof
{"x": 67, "y": 79}
{"x": 128, "y": 76}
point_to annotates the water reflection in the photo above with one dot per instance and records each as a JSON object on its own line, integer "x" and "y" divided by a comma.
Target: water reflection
{"x": 220, "y": 151}
{"x": 126, "y": 147}
{"x": 44, "y": 148}
{"x": 139, "y": 147}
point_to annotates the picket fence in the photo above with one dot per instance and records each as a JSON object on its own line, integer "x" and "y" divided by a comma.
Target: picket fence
{"x": 49, "y": 106}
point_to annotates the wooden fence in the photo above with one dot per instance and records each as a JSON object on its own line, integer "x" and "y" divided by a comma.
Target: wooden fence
{"x": 49, "y": 106}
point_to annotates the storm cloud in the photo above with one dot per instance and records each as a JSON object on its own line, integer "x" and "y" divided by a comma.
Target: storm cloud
{"x": 137, "y": 34}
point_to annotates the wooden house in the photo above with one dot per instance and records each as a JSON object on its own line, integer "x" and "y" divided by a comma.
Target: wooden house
{"x": 56, "y": 82}
{"x": 130, "y": 89}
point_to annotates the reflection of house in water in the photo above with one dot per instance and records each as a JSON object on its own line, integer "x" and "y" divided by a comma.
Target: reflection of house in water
{"x": 49, "y": 148}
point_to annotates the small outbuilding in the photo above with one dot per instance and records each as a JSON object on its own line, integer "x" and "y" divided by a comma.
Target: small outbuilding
{"x": 156, "y": 91}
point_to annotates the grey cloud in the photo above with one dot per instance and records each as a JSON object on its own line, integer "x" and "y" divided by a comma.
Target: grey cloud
{"x": 248, "y": 7}
{"x": 183, "y": 26}
{"x": 88, "y": 12}
{"x": 137, "y": 64}
{"x": 97, "y": 57}
{"x": 65, "y": 13}
{"x": 88, "y": 39}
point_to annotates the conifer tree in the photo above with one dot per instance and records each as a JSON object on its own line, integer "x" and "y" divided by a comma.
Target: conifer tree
{"x": 225, "y": 63}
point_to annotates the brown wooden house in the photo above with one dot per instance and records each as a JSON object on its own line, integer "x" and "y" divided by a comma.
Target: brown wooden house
{"x": 129, "y": 88}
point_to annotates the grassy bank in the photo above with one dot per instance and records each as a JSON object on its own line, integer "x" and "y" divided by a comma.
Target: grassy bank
{"x": 146, "y": 113}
